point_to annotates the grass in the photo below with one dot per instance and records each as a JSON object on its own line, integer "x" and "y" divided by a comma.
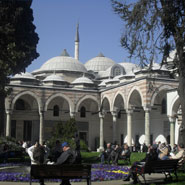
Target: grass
{"x": 92, "y": 157}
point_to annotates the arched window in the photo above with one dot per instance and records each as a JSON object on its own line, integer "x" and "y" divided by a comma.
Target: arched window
{"x": 56, "y": 110}
{"x": 164, "y": 106}
{"x": 116, "y": 71}
{"x": 83, "y": 112}
{"x": 20, "y": 104}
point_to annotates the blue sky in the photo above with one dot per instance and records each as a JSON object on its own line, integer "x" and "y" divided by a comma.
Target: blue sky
{"x": 99, "y": 27}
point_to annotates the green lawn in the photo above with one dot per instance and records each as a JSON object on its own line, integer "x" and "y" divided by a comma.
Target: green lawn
{"x": 92, "y": 157}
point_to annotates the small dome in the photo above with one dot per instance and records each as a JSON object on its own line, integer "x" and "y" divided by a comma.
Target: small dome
{"x": 54, "y": 77}
{"x": 62, "y": 63}
{"x": 25, "y": 75}
{"x": 129, "y": 67}
{"x": 99, "y": 63}
{"x": 83, "y": 80}
{"x": 156, "y": 66}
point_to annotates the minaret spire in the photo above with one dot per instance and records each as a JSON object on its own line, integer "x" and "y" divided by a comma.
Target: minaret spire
{"x": 77, "y": 40}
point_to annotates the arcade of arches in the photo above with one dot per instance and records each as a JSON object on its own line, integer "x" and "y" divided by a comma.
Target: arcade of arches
{"x": 119, "y": 114}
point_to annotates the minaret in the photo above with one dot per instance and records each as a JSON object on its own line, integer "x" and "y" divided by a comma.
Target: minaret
{"x": 77, "y": 40}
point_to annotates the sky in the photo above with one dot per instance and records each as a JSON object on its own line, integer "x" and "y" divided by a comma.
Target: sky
{"x": 100, "y": 30}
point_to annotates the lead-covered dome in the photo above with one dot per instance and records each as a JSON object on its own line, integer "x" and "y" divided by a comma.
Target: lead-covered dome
{"x": 62, "y": 63}
{"x": 99, "y": 63}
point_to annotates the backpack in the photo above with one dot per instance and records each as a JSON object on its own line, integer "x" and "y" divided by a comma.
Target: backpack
{"x": 39, "y": 154}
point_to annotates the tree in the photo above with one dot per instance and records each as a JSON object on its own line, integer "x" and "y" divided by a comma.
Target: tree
{"x": 154, "y": 27}
{"x": 64, "y": 132}
{"x": 18, "y": 41}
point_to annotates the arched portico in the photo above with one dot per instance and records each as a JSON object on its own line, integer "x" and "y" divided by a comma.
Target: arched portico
{"x": 134, "y": 110}
{"x": 87, "y": 120}
{"x": 117, "y": 110}
{"x": 22, "y": 116}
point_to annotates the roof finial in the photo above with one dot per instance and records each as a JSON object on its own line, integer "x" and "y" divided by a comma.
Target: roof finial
{"x": 77, "y": 40}
{"x": 65, "y": 53}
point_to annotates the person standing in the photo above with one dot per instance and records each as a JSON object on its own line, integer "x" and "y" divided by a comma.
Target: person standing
{"x": 37, "y": 155}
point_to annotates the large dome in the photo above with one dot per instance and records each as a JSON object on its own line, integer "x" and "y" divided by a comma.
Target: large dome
{"x": 62, "y": 63}
{"x": 99, "y": 63}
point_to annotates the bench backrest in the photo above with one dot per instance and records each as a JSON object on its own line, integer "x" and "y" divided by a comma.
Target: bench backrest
{"x": 161, "y": 166}
{"x": 59, "y": 171}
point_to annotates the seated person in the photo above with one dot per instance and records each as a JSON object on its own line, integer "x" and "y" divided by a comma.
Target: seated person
{"x": 180, "y": 154}
{"x": 106, "y": 155}
{"x": 67, "y": 157}
{"x": 163, "y": 152}
{"x": 151, "y": 155}
{"x": 121, "y": 154}
{"x": 125, "y": 152}
{"x": 115, "y": 154}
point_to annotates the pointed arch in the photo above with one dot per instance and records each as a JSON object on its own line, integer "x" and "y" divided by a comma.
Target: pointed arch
{"x": 173, "y": 104}
{"x": 85, "y": 98}
{"x": 161, "y": 88}
{"x": 70, "y": 103}
{"x": 103, "y": 102}
{"x": 138, "y": 90}
{"x": 114, "y": 99}
{"x": 38, "y": 100}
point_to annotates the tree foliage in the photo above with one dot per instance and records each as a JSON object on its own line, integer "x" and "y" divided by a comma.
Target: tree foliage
{"x": 65, "y": 132}
{"x": 18, "y": 41}
{"x": 154, "y": 27}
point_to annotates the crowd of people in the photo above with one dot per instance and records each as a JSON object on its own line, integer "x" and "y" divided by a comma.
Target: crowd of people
{"x": 114, "y": 153}
{"x": 157, "y": 151}
{"x": 62, "y": 153}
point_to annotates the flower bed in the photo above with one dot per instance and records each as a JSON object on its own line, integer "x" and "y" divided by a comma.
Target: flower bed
{"x": 99, "y": 173}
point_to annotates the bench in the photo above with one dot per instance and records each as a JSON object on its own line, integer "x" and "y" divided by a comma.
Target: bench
{"x": 160, "y": 166}
{"x": 65, "y": 171}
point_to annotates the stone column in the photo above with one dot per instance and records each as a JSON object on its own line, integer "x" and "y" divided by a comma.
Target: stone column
{"x": 147, "y": 126}
{"x": 8, "y": 123}
{"x": 172, "y": 130}
{"x": 129, "y": 127}
{"x": 101, "y": 148}
{"x": 114, "y": 126}
{"x": 41, "y": 134}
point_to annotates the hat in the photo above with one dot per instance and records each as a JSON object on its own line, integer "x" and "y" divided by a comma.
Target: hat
{"x": 64, "y": 144}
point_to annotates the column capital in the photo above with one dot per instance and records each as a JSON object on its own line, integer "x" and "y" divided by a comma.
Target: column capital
{"x": 101, "y": 115}
{"x": 41, "y": 112}
{"x": 8, "y": 111}
{"x": 129, "y": 111}
{"x": 72, "y": 114}
{"x": 172, "y": 118}
{"x": 114, "y": 113}
{"x": 147, "y": 109}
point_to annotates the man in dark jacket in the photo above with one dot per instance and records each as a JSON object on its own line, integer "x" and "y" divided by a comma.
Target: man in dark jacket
{"x": 67, "y": 157}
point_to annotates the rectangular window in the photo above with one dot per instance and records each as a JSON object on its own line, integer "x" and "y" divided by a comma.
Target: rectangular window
{"x": 27, "y": 130}
{"x": 13, "y": 128}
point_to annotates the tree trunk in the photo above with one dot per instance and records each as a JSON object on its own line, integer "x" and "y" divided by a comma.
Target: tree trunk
{"x": 2, "y": 114}
{"x": 181, "y": 92}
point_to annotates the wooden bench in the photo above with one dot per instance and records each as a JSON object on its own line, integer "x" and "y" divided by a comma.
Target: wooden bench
{"x": 65, "y": 171}
{"x": 160, "y": 166}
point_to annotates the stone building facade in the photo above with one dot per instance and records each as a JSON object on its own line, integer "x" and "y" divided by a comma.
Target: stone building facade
{"x": 111, "y": 102}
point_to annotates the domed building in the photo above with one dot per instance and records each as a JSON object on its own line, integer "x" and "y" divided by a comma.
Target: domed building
{"x": 110, "y": 101}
